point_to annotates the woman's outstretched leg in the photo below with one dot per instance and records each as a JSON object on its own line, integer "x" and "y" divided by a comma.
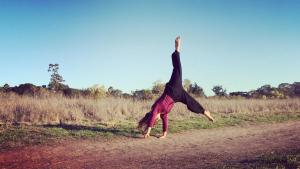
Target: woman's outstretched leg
{"x": 176, "y": 77}
{"x": 194, "y": 106}
{"x": 191, "y": 103}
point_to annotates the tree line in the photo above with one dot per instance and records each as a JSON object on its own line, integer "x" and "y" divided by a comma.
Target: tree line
{"x": 56, "y": 86}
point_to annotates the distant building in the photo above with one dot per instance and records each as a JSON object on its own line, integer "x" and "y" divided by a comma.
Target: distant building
{"x": 243, "y": 94}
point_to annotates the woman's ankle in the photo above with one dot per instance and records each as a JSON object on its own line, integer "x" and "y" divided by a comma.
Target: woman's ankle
{"x": 208, "y": 115}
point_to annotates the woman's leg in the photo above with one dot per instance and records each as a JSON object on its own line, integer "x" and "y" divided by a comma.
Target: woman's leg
{"x": 176, "y": 77}
{"x": 195, "y": 106}
{"x": 191, "y": 103}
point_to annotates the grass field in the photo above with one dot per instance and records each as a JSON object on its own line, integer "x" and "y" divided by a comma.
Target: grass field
{"x": 28, "y": 120}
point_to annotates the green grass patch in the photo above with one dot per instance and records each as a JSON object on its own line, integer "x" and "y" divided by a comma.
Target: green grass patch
{"x": 15, "y": 136}
{"x": 228, "y": 120}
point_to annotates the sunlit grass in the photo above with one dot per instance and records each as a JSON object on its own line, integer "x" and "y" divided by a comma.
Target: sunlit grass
{"x": 57, "y": 110}
{"x": 34, "y": 120}
{"x": 14, "y": 136}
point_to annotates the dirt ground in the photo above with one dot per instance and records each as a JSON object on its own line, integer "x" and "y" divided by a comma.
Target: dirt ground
{"x": 207, "y": 148}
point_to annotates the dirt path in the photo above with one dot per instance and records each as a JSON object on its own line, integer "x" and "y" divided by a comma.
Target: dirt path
{"x": 192, "y": 149}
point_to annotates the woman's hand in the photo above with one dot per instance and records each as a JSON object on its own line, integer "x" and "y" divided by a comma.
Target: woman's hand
{"x": 147, "y": 133}
{"x": 177, "y": 43}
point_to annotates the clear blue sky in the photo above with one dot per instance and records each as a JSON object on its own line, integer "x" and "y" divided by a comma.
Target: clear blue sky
{"x": 239, "y": 44}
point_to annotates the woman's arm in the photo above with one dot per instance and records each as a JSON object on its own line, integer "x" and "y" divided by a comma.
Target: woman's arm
{"x": 147, "y": 134}
{"x": 154, "y": 117}
{"x": 164, "y": 118}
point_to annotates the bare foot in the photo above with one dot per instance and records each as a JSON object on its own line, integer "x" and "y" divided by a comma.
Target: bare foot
{"x": 177, "y": 43}
{"x": 207, "y": 114}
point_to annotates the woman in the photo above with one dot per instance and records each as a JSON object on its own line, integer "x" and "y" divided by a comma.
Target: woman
{"x": 174, "y": 92}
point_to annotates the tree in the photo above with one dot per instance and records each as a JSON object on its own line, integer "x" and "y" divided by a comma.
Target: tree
{"x": 126, "y": 95}
{"x": 114, "y": 92}
{"x": 56, "y": 80}
{"x": 5, "y": 86}
{"x": 97, "y": 91}
{"x": 283, "y": 86}
{"x": 158, "y": 87}
{"x": 196, "y": 90}
{"x": 265, "y": 89}
{"x": 286, "y": 89}
{"x": 186, "y": 84}
{"x": 143, "y": 94}
{"x": 290, "y": 90}
{"x": 268, "y": 91}
{"x": 219, "y": 91}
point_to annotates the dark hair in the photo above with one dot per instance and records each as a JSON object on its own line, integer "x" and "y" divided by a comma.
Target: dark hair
{"x": 143, "y": 123}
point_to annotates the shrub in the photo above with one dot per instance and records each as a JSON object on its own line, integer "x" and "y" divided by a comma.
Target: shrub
{"x": 196, "y": 90}
{"x": 114, "y": 92}
{"x": 142, "y": 94}
{"x": 97, "y": 91}
{"x": 219, "y": 91}
{"x": 158, "y": 87}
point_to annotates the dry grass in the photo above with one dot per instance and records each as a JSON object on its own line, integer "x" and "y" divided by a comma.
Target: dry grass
{"x": 58, "y": 109}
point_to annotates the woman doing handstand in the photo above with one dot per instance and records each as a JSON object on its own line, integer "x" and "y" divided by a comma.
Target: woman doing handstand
{"x": 173, "y": 92}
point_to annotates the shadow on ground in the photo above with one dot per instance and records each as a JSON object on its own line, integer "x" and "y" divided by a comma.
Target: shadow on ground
{"x": 101, "y": 130}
